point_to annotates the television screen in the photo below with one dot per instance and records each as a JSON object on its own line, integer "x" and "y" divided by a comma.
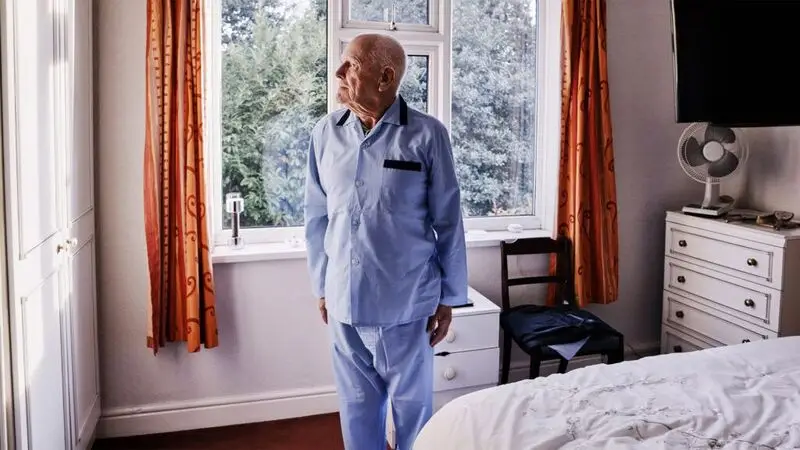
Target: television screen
{"x": 736, "y": 61}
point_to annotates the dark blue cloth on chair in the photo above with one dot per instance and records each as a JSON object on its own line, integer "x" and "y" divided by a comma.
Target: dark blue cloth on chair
{"x": 536, "y": 326}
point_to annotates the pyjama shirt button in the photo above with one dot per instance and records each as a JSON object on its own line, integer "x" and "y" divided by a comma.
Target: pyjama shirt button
{"x": 354, "y": 261}
{"x": 359, "y": 183}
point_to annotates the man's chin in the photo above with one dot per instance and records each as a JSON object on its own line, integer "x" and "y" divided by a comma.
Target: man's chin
{"x": 343, "y": 96}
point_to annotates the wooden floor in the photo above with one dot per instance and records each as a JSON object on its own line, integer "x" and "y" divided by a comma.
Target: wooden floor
{"x": 307, "y": 433}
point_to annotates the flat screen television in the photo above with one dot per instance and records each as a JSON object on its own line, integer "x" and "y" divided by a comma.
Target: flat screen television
{"x": 737, "y": 62}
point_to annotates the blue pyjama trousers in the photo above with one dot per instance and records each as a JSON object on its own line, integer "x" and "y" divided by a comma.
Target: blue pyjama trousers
{"x": 374, "y": 364}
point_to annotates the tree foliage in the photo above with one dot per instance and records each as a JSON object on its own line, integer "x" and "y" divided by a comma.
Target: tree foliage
{"x": 274, "y": 75}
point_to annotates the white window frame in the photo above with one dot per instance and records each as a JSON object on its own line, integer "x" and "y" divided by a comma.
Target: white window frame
{"x": 433, "y": 41}
{"x": 340, "y": 9}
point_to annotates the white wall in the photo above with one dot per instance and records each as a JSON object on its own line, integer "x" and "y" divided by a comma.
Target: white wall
{"x": 772, "y": 175}
{"x": 271, "y": 338}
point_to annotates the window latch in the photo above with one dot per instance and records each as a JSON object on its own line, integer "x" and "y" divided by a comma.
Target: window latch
{"x": 392, "y": 23}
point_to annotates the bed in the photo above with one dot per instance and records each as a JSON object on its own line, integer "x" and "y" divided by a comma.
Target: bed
{"x": 743, "y": 396}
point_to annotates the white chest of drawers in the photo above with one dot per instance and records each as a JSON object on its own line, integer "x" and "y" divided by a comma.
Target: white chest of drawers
{"x": 727, "y": 283}
{"x": 468, "y": 358}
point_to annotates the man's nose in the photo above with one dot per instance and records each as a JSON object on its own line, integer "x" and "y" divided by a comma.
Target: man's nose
{"x": 340, "y": 72}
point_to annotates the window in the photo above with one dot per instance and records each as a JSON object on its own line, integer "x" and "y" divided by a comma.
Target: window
{"x": 383, "y": 11}
{"x": 489, "y": 69}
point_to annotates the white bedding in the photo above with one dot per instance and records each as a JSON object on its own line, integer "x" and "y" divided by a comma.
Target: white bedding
{"x": 736, "y": 397}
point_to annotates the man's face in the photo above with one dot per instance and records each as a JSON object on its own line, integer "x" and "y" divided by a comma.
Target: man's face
{"x": 358, "y": 78}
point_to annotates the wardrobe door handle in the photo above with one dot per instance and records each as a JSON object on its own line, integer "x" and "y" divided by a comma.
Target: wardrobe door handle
{"x": 677, "y": 349}
{"x": 752, "y": 262}
{"x": 679, "y": 314}
{"x": 681, "y": 243}
{"x": 750, "y": 303}
{"x": 681, "y": 279}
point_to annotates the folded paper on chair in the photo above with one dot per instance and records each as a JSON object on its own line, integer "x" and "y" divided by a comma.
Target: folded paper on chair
{"x": 568, "y": 351}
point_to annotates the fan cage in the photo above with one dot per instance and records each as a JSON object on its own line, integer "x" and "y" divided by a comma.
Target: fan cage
{"x": 700, "y": 174}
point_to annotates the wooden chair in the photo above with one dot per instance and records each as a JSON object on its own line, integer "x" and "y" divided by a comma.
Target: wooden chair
{"x": 535, "y": 327}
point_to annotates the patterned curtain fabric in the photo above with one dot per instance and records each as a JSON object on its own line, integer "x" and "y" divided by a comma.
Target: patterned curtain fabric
{"x": 181, "y": 284}
{"x": 587, "y": 207}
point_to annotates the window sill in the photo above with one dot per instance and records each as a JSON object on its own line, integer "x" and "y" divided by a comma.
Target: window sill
{"x": 281, "y": 251}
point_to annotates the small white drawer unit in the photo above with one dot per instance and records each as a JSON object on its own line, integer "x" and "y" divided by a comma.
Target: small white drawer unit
{"x": 468, "y": 358}
{"x": 727, "y": 283}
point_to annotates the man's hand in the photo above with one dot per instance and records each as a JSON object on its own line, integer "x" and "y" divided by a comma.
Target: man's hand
{"x": 439, "y": 323}
{"x": 323, "y": 310}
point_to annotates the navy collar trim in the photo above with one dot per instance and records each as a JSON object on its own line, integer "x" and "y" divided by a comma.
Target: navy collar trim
{"x": 403, "y": 111}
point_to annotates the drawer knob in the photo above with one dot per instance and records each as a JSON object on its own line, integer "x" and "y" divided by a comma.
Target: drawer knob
{"x": 451, "y": 336}
{"x": 752, "y": 262}
{"x": 681, "y": 279}
{"x": 682, "y": 243}
{"x": 744, "y": 341}
{"x": 750, "y": 303}
{"x": 449, "y": 373}
{"x": 677, "y": 349}
{"x": 679, "y": 314}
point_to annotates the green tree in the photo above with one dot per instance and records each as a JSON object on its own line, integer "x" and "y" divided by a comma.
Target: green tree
{"x": 273, "y": 62}
{"x": 415, "y": 83}
{"x": 493, "y": 122}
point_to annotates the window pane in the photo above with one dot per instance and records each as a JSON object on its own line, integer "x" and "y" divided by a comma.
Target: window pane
{"x": 493, "y": 109}
{"x": 405, "y": 11}
{"x": 274, "y": 66}
{"x": 415, "y": 84}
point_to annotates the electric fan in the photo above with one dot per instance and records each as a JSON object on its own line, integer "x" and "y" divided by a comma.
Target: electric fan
{"x": 709, "y": 153}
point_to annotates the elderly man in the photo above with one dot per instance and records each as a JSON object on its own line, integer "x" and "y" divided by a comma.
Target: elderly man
{"x": 385, "y": 241}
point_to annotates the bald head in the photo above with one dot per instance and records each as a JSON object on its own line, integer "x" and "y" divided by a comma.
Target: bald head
{"x": 382, "y": 52}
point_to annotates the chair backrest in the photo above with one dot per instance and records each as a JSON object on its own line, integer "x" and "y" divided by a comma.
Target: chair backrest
{"x": 563, "y": 278}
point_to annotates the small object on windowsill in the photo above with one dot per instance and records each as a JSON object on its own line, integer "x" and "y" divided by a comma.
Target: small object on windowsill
{"x": 515, "y": 228}
{"x": 236, "y": 242}
{"x": 234, "y": 205}
{"x": 294, "y": 242}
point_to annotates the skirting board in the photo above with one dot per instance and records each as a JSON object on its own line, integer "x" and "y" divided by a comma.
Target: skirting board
{"x": 233, "y": 410}
{"x": 262, "y": 407}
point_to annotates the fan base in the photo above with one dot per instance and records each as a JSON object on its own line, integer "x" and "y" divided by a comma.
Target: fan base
{"x": 709, "y": 211}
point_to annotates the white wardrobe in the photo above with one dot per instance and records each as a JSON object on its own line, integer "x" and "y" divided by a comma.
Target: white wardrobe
{"x": 48, "y": 196}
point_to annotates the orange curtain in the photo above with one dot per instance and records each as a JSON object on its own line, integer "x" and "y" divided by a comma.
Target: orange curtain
{"x": 181, "y": 284}
{"x": 587, "y": 208}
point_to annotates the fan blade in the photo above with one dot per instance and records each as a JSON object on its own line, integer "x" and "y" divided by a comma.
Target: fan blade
{"x": 724, "y": 166}
{"x": 694, "y": 153}
{"x": 720, "y": 134}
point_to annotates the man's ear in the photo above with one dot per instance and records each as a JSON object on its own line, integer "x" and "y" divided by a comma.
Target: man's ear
{"x": 387, "y": 79}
